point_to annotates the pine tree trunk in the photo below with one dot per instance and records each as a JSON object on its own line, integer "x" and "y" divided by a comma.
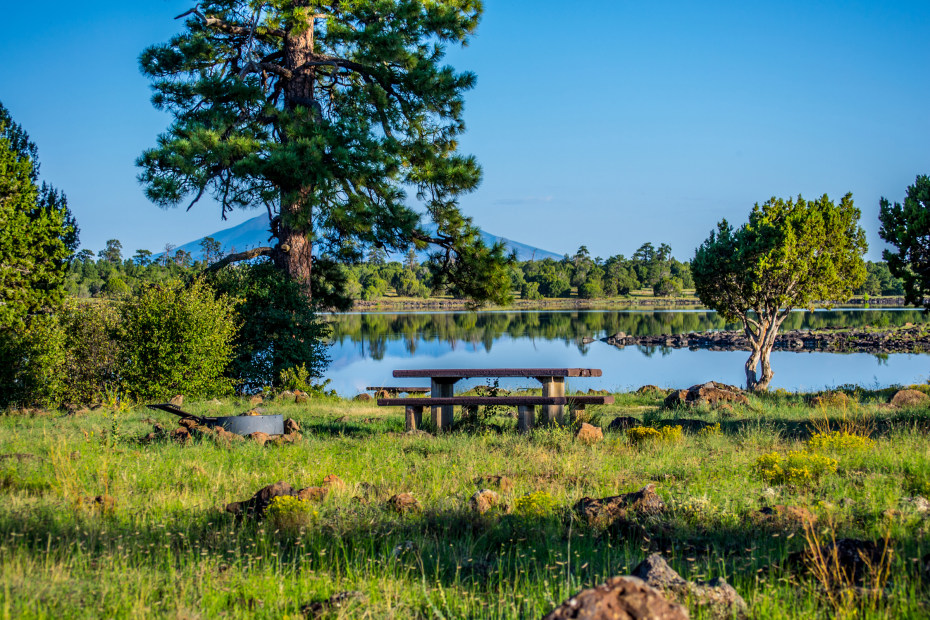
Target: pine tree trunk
{"x": 295, "y": 249}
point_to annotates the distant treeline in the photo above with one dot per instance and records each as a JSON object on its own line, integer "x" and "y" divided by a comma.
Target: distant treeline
{"x": 109, "y": 274}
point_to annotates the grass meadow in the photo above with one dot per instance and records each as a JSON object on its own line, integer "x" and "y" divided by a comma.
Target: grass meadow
{"x": 165, "y": 547}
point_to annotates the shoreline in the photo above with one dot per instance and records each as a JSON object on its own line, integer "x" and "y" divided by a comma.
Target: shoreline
{"x": 907, "y": 339}
{"x": 388, "y": 304}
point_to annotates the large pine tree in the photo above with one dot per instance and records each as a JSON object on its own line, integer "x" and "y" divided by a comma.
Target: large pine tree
{"x": 339, "y": 118}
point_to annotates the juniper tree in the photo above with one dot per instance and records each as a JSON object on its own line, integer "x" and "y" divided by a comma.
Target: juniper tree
{"x": 37, "y": 232}
{"x": 339, "y": 118}
{"x": 790, "y": 254}
{"x": 907, "y": 227}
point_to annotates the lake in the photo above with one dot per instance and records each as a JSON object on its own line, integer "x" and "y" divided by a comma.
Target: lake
{"x": 367, "y": 346}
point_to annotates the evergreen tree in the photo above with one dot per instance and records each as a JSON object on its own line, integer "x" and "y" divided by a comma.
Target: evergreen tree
{"x": 49, "y": 199}
{"x": 34, "y": 235}
{"x": 325, "y": 114}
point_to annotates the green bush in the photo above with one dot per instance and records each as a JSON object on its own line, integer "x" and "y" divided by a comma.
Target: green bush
{"x": 90, "y": 367}
{"x": 176, "y": 340}
{"x": 279, "y": 327}
{"x": 30, "y": 373}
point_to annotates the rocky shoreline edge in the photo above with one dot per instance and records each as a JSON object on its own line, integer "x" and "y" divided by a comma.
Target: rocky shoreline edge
{"x": 907, "y": 339}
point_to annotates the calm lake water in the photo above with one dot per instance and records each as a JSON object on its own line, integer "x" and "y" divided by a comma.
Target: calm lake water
{"x": 367, "y": 347}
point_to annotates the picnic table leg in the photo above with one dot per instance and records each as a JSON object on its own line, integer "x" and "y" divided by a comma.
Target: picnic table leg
{"x": 413, "y": 418}
{"x": 552, "y": 386}
{"x": 442, "y": 416}
{"x": 525, "y": 418}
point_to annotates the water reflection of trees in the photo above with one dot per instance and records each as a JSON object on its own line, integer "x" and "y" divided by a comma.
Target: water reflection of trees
{"x": 484, "y": 328}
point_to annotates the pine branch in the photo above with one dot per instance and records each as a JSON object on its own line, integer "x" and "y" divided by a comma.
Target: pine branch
{"x": 239, "y": 257}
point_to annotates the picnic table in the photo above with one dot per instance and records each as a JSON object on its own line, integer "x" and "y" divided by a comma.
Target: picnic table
{"x": 442, "y": 399}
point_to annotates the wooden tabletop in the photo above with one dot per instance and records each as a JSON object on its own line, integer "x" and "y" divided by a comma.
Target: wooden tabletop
{"x": 464, "y": 373}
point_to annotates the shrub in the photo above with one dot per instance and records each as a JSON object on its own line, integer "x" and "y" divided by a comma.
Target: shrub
{"x": 797, "y": 469}
{"x": 279, "y": 327}
{"x": 534, "y": 505}
{"x": 90, "y": 368}
{"x": 641, "y": 434}
{"x": 709, "y": 431}
{"x": 287, "y": 512}
{"x": 32, "y": 357}
{"x": 839, "y": 440}
{"x": 176, "y": 340}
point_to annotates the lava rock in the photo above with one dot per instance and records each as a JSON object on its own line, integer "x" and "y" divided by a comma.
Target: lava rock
{"x": 484, "y": 500}
{"x": 606, "y": 510}
{"x": 719, "y": 598}
{"x": 589, "y": 434}
{"x": 619, "y": 598}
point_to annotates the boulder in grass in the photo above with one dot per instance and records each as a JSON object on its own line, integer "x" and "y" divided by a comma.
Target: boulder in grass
{"x": 332, "y": 481}
{"x": 259, "y": 437}
{"x": 291, "y": 426}
{"x": 403, "y": 503}
{"x": 619, "y": 598}
{"x": 255, "y": 401}
{"x": 363, "y": 397}
{"x": 710, "y": 393}
{"x": 589, "y": 434}
{"x": 605, "y": 511}
{"x": 717, "y": 597}
{"x": 909, "y": 398}
{"x": 483, "y": 501}
{"x": 314, "y": 494}
{"x": 177, "y": 400}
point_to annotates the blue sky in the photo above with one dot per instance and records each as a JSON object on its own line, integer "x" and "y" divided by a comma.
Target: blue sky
{"x": 604, "y": 123}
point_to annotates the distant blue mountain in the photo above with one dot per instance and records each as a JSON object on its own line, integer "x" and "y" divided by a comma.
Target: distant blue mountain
{"x": 254, "y": 233}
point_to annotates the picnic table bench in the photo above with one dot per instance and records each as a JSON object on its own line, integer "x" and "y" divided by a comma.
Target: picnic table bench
{"x": 442, "y": 399}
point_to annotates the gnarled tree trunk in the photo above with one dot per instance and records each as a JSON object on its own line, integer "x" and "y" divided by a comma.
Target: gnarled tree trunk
{"x": 762, "y": 340}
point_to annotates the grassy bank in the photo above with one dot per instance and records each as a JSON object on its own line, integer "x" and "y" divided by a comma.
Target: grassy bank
{"x": 167, "y": 548}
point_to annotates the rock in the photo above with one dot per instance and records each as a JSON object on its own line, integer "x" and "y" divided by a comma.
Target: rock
{"x": 651, "y": 390}
{"x": 619, "y": 598}
{"x": 256, "y": 400}
{"x": 281, "y": 440}
{"x": 830, "y": 399}
{"x": 676, "y": 398}
{"x": 336, "y": 601}
{"x": 719, "y": 597}
{"x": 216, "y": 402}
{"x": 909, "y": 398}
{"x": 484, "y": 500}
{"x": 225, "y": 438}
{"x": 918, "y": 504}
{"x": 177, "y": 400}
{"x": 259, "y": 437}
{"x": 502, "y": 483}
{"x": 709, "y": 393}
{"x": 332, "y": 481}
{"x": 291, "y": 426}
{"x": 606, "y": 510}
{"x": 181, "y": 435}
{"x": 623, "y": 422}
{"x": 853, "y": 556}
{"x": 363, "y": 397}
{"x": 251, "y": 413}
{"x": 188, "y": 423}
{"x": 255, "y": 506}
{"x": 784, "y": 517}
{"x": 589, "y": 434}
{"x": 403, "y": 503}
{"x": 301, "y": 398}
{"x": 315, "y": 494}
